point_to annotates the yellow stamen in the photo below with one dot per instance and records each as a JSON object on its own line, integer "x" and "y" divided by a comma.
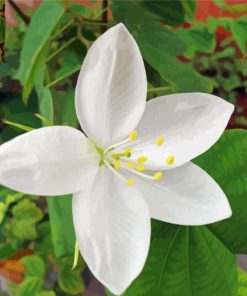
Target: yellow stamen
{"x": 130, "y": 182}
{"x": 142, "y": 159}
{"x": 159, "y": 141}
{"x": 170, "y": 159}
{"x": 130, "y": 164}
{"x": 133, "y": 135}
{"x": 127, "y": 152}
{"x": 140, "y": 168}
{"x": 117, "y": 164}
{"x": 158, "y": 176}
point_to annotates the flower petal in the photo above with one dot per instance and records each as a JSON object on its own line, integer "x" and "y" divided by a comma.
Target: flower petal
{"x": 112, "y": 226}
{"x": 111, "y": 88}
{"x": 47, "y": 161}
{"x": 187, "y": 195}
{"x": 190, "y": 124}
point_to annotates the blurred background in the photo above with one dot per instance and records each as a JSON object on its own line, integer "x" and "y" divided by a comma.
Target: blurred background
{"x": 187, "y": 46}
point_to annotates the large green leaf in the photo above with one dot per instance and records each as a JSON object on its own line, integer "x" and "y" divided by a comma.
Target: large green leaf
{"x": 199, "y": 260}
{"x": 182, "y": 77}
{"x": 169, "y": 11}
{"x": 162, "y": 55}
{"x": 242, "y": 282}
{"x": 226, "y": 162}
{"x": 186, "y": 261}
{"x": 44, "y": 20}
{"x": 139, "y": 23}
{"x": 44, "y": 96}
{"x": 63, "y": 234}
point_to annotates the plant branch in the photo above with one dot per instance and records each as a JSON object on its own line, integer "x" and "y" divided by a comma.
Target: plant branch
{"x": 62, "y": 29}
{"x": 60, "y": 49}
{"x": 158, "y": 89}
{"x": 21, "y": 14}
{"x": 63, "y": 77}
{"x": 104, "y": 15}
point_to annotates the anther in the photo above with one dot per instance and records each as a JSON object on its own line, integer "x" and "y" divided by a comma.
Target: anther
{"x": 117, "y": 164}
{"x": 159, "y": 141}
{"x": 130, "y": 164}
{"x": 130, "y": 182}
{"x": 127, "y": 152}
{"x": 140, "y": 168}
{"x": 158, "y": 176}
{"x": 142, "y": 159}
{"x": 133, "y": 135}
{"x": 170, "y": 159}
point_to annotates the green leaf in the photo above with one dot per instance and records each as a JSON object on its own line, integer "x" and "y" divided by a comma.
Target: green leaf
{"x": 226, "y": 162}
{"x": 29, "y": 286}
{"x": 45, "y": 293}
{"x": 6, "y": 250}
{"x": 138, "y": 22}
{"x": 43, "y": 243}
{"x": 7, "y": 197}
{"x": 27, "y": 211}
{"x": 242, "y": 282}
{"x": 44, "y": 20}
{"x": 65, "y": 104}
{"x": 197, "y": 39}
{"x": 69, "y": 62}
{"x": 162, "y": 55}
{"x": 62, "y": 229}
{"x": 45, "y": 99}
{"x": 185, "y": 261}
{"x": 231, "y": 7}
{"x": 171, "y": 12}
{"x": 20, "y": 229}
{"x": 239, "y": 28}
{"x": 18, "y": 125}
{"x": 182, "y": 77}
{"x": 35, "y": 266}
{"x": 70, "y": 281}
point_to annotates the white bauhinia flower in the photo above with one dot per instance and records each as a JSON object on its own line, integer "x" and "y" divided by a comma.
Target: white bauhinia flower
{"x": 129, "y": 142}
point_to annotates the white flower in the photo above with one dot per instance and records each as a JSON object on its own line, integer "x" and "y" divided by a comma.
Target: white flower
{"x": 112, "y": 219}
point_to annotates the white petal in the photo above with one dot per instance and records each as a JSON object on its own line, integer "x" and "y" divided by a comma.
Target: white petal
{"x": 190, "y": 124}
{"x": 111, "y": 88}
{"x": 187, "y": 195}
{"x": 112, "y": 226}
{"x": 47, "y": 161}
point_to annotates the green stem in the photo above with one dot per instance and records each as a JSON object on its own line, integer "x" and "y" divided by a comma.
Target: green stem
{"x": 161, "y": 88}
{"x": 60, "y": 49}
{"x": 63, "y": 77}
{"x": 62, "y": 29}
{"x": 18, "y": 125}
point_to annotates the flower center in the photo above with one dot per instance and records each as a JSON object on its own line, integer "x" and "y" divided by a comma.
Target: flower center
{"x": 120, "y": 162}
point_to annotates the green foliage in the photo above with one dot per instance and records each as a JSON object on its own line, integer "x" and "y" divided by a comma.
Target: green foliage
{"x": 161, "y": 56}
{"x": 242, "y": 282}
{"x": 226, "y": 163}
{"x": 199, "y": 260}
{"x": 197, "y": 39}
{"x": 34, "y": 265}
{"x": 186, "y": 261}
{"x": 29, "y": 286}
{"x": 36, "y": 42}
{"x": 63, "y": 234}
{"x": 182, "y": 260}
{"x": 70, "y": 281}
{"x": 239, "y": 29}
